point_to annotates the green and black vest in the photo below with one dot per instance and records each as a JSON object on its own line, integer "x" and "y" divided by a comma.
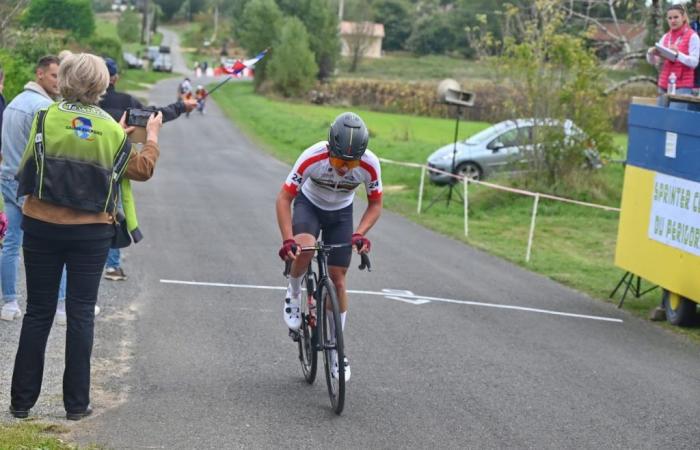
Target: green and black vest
{"x": 76, "y": 157}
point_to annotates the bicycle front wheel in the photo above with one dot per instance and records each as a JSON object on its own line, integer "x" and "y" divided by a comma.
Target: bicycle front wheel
{"x": 307, "y": 353}
{"x": 332, "y": 343}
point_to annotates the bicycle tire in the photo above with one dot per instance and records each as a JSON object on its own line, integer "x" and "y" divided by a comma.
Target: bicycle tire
{"x": 308, "y": 356}
{"x": 336, "y": 387}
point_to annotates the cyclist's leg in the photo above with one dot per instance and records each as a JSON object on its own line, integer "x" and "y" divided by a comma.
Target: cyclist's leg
{"x": 305, "y": 226}
{"x": 337, "y": 229}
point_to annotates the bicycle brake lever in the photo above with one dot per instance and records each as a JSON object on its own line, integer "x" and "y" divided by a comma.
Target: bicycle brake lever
{"x": 288, "y": 263}
{"x": 364, "y": 264}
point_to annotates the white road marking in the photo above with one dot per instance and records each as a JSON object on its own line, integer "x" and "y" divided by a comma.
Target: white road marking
{"x": 400, "y": 295}
{"x": 404, "y": 296}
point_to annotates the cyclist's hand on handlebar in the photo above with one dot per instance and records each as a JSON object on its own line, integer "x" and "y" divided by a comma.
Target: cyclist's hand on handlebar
{"x": 360, "y": 242}
{"x": 290, "y": 249}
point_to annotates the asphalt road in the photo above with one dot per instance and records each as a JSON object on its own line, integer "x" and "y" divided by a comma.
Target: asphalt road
{"x": 201, "y": 366}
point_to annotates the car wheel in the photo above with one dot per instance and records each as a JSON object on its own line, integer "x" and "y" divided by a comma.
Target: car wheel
{"x": 470, "y": 170}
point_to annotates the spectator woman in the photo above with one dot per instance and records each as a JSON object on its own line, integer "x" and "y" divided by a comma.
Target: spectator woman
{"x": 70, "y": 177}
{"x": 684, "y": 45}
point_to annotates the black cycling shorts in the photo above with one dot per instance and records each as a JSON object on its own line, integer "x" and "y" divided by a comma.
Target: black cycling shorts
{"x": 336, "y": 226}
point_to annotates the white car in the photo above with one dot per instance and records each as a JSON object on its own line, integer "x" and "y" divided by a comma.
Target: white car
{"x": 498, "y": 148}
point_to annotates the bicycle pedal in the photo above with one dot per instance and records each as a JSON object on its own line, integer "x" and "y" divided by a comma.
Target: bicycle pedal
{"x": 294, "y": 335}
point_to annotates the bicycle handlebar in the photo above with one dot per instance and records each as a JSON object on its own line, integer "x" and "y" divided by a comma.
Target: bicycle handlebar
{"x": 364, "y": 257}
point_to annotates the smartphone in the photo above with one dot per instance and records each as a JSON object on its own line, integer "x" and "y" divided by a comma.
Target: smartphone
{"x": 138, "y": 117}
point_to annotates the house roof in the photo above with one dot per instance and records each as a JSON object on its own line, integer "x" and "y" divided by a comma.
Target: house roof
{"x": 628, "y": 30}
{"x": 374, "y": 29}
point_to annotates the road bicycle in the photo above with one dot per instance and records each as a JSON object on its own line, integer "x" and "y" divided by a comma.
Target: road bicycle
{"x": 315, "y": 333}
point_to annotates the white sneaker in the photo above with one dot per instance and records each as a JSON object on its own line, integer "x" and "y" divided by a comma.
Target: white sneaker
{"x": 291, "y": 311}
{"x": 10, "y": 311}
{"x": 334, "y": 367}
{"x": 61, "y": 318}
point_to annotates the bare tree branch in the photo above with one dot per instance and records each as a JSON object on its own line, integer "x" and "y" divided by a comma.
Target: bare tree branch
{"x": 636, "y": 79}
{"x": 18, "y": 7}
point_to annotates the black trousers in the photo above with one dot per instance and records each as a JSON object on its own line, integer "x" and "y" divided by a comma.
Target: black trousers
{"x": 43, "y": 261}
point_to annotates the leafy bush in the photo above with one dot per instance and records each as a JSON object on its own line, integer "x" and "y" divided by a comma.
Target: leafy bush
{"x": 17, "y": 73}
{"x": 129, "y": 26}
{"x": 105, "y": 46}
{"x": 559, "y": 78}
{"x": 73, "y": 15}
{"x": 292, "y": 67}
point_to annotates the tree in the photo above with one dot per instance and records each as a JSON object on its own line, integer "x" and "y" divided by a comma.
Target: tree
{"x": 292, "y": 68}
{"x": 556, "y": 77}
{"x": 257, "y": 30}
{"x": 431, "y": 34}
{"x": 129, "y": 26}
{"x": 322, "y": 26}
{"x": 397, "y": 20}
{"x": 169, "y": 7}
{"x": 9, "y": 13}
{"x": 73, "y": 15}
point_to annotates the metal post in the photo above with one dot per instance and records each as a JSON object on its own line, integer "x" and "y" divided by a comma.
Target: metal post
{"x": 466, "y": 206}
{"x": 532, "y": 227}
{"x": 454, "y": 154}
{"x": 420, "y": 191}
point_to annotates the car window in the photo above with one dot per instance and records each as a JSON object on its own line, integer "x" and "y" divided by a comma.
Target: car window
{"x": 514, "y": 137}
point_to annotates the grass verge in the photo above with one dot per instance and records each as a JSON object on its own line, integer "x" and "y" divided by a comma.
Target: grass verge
{"x": 34, "y": 435}
{"x": 573, "y": 245}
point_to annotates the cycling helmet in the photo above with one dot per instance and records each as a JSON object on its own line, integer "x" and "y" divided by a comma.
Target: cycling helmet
{"x": 348, "y": 136}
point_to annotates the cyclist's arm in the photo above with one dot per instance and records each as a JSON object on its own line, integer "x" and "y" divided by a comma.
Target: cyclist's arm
{"x": 370, "y": 216}
{"x": 283, "y": 207}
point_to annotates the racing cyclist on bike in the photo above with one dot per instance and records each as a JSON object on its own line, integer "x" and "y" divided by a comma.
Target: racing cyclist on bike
{"x": 322, "y": 187}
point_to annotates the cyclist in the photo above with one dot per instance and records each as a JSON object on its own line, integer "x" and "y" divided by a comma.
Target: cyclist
{"x": 322, "y": 186}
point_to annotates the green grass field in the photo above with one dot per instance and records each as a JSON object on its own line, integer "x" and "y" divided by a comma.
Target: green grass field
{"x": 572, "y": 244}
{"x": 405, "y": 66}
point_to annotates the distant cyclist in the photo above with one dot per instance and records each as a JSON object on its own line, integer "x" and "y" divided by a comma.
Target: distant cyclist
{"x": 201, "y": 96}
{"x": 322, "y": 187}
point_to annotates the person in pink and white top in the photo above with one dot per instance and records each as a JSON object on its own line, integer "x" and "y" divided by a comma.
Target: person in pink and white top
{"x": 320, "y": 189}
{"x": 684, "y": 45}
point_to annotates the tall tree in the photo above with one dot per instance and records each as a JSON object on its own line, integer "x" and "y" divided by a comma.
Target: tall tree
{"x": 258, "y": 29}
{"x": 292, "y": 67}
{"x": 397, "y": 19}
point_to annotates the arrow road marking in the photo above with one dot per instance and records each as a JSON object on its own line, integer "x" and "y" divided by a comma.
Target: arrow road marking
{"x": 400, "y": 295}
{"x": 404, "y": 296}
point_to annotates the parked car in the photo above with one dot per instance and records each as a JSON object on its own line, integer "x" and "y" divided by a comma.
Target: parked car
{"x": 152, "y": 53}
{"x": 164, "y": 49}
{"x": 163, "y": 63}
{"x": 501, "y": 147}
{"x": 132, "y": 61}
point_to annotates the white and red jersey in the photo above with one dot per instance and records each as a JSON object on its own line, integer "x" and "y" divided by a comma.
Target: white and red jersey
{"x": 324, "y": 187}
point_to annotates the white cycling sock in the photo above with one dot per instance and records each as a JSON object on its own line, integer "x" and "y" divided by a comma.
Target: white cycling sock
{"x": 295, "y": 286}
{"x": 343, "y": 315}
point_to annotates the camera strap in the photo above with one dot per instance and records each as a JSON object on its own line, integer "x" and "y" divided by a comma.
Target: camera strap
{"x": 39, "y": 138}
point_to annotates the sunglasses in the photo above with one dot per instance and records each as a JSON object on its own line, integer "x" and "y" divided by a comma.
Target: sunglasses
{"x": 339, "y": 163}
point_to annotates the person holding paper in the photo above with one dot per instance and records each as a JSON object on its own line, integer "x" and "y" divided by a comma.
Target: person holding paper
{"x": 678, "y": 51}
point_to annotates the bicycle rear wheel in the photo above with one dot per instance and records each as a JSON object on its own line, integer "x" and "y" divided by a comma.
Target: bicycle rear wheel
{"x": 307, "y": 353}
{"x": 332, "y": 341}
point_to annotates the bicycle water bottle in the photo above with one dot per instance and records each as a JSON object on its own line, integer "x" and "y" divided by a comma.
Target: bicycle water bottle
{"x": 672, "y": 84}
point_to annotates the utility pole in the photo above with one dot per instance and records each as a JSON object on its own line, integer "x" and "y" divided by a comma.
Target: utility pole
{"x": 145, "y": 34}
{"x": 341, "y": 6}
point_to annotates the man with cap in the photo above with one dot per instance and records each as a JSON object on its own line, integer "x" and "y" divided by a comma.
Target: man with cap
{"x": 115, "y": 104}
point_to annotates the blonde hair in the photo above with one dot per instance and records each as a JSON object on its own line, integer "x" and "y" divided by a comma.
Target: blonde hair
{"x": 83, "y": 78}
{"x": 64, "y": 54}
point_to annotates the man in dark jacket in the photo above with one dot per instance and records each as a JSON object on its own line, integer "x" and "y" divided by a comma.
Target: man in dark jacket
{"x": 115, "y": 104}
